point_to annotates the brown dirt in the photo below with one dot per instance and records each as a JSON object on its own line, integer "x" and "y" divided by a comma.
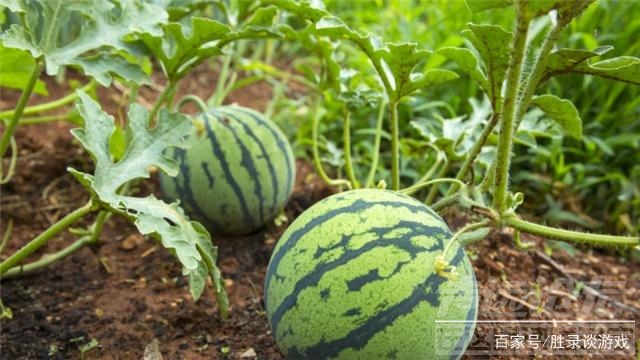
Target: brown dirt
{"x": 127, "y": 293}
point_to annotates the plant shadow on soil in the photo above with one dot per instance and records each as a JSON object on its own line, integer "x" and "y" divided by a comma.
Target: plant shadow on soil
{"x": 114, "y": 300}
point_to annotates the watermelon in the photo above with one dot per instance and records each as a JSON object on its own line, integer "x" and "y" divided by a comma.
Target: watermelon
{"x": 353, "y": 277}
{"x": 237, "y": 172}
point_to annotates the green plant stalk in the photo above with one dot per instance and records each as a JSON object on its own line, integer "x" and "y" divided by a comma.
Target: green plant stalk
{"x": 505, "y": 136}
{"x": 395, "y": 146}
{"x": 12, "y": 163}
{"x": 429, "y": 174}
{"x": 36, "y": 109}
{"x": 165, "y": 96}
{"x": 40, "y": 240}
{"x": 346, "y": 138}
{"x": 317, "y": 163}
{"x": 469, "y": 227}
{"x": 221, "y": 90}
{"x": 420, "y": 185}
{"x": 88, "y": 239}
{"x": 434, "y": 190}
{"x": 192, "y": 99}
{"x": 34, "y": 120}
{"x": 17, "y": 114}
{"x": 375, "y": 156}
{"x": 5, "y": 236}
{"x": 537, "y": 71}
{"x": 569, "y": 236}
{"x": 475, "y": 151}
{"x": 46, "y": 260}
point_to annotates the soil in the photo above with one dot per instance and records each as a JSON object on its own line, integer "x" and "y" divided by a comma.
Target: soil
{"x": 126, "y": 299}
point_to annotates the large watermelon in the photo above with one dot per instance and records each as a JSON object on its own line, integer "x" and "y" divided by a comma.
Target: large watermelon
{"x": 353, "y": 278}
{"x": 237, "y": 172}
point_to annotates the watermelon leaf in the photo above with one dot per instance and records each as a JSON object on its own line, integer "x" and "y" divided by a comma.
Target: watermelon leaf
{"x": 493, "y": 46}
{"x": 179, "y": 48}
{"x": 562, "y": 111}
{"x": 186, "y": 239}
{"x": 104, "y": 26}
{"x": 622, "y": 68}
{"x": 468, "y": 62}
{"x": 15, "y": 68}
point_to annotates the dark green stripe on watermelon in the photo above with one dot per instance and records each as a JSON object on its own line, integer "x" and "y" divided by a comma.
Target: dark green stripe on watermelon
{"x": 354, "y": 278}
{"x": 226, "y": 173}
{"x": 282, "y": 145}
{"x": 263, "y": 155}
{"x": 187, "y": 198}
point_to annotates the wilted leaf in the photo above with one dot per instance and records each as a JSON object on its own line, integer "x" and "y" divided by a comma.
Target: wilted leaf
{"x": 561, "y": 111}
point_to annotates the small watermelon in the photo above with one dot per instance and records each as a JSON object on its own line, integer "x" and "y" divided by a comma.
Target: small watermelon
{"x": 353, "y": 277}
{"x": 236, "y": 174}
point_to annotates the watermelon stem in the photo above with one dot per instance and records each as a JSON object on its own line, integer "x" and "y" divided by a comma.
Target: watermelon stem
{"x": 442, "y": 267}
{"x": 567, "y": 235}
{"x": 510, "y": 105}
{"x": 10, "y": 127}
{"x": 317, "y": 163}
{"x": 346, "y": 138}
{"x": 375, "y": 156}
{"x": 51, "y": 105}
{"x": 165, "y": 96}
{"x": 44, "y": 237}
{"x": 414, "y": 188}
{"x": 192, "y": 99}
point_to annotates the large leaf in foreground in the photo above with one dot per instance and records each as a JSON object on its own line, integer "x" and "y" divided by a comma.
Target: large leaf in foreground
{"x": 187, "y": 240}
{"x": 104, "y": 25}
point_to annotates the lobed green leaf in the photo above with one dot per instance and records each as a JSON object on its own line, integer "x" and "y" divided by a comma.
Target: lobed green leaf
{"x": 187, "y": 240}
{"x": 104, "y": 26}
{"x": 493, "y": 45}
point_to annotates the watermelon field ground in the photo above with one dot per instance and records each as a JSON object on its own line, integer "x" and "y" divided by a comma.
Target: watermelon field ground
{"x": 126, "y": 298}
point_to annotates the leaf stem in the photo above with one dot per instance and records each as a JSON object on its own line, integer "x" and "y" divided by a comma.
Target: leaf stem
{"x": 40, "y": 240}
{"x": 17, "y": 112}
{"x": 395, "y": 151}
{"x": 475, "y": 150}
{"x": 346, "y": 138}
{"x": 537, "y": 72}
{"x": 317, "y": 163}
{"x": 376, "y": 147}
{"x": 46, "y": 260}
{"x": 164, "y": 95}
{"x": 54, "y": 104}
{"x": 418, "y": 186}
{"x": 505, "y": 136}
{"x": 567, "y": 235}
